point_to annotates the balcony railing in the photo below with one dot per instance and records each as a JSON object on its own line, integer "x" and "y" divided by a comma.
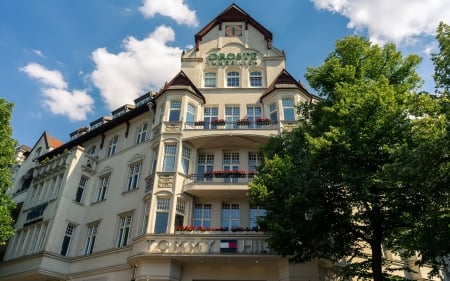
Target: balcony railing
{"x": 225, "y": 177}
{"x": 234, "y": 125}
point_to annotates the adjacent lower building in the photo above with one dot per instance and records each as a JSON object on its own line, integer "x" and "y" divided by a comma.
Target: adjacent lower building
{"x": 158, "y": 190}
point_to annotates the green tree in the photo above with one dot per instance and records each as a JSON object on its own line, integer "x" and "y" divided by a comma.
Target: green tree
{"x": 441, "y": 60}
{"x": 343, "y": 184}
{"x": 7, "y": 150}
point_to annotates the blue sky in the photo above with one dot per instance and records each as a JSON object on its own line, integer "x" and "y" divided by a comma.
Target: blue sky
{"x": 66, "y": 63}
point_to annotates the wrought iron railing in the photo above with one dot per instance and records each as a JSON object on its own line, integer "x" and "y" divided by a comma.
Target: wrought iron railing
{"x": 235, "y": 125}
{"x": 226, "y": 177}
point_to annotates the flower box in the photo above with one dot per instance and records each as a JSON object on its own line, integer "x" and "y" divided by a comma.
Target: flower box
{"x": 243, "y": 122}
{"x": 263, "y": 121}
{"x": 218, "y": 122}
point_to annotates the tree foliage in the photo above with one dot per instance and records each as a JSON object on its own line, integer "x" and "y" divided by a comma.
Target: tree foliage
{"x": 364, "y": 168}
{"x": 441, "y": 60}
{"x": 7, "y": 149}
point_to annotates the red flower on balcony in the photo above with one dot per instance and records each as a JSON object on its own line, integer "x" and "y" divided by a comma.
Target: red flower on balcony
{"x": 263, "y": 121}
{"x": 218, "y": 122}
{"x": 243, "y": 121}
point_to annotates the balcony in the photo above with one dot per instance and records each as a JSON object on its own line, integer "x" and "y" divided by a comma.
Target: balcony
{"x": 218, "y": 184}
{"x": 220, "y": 124}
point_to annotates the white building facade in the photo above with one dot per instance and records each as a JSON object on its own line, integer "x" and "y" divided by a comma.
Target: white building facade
{"x": 158, "y": 190}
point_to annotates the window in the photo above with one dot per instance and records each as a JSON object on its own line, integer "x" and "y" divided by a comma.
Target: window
{"x": 186, "y": 157}
{"x": 255, "y": 79}
{"x": 230, "y": 215}
{"x": 180, "y": 210}
{"x": 253, "y": 113}
{"x": 209, "y": 115}
{"x": 103, "y": 188}
{"x": 190, "y": 115}
{"x": 205, "y": 164}
{"x": 161, "y": 113}
{"x": 162, "y": 214}
{"x": 90, "y": 240}
{"x": 38, "y": 238}
{"x": 142, "y": 133}
{"x": 91, "y": 150}
{"x": 231, "y": 116}
{"x": 202, "y": 215}
{"x": 273, "y": 113}
{"x": 133, "y": 176}
{"x": 288, "y": 110}
{"x": 254, "y": 160}
{"x": 231, "y": 163}
{"x": 113, "y": 145}
{"x": 255, "y": 213}
{"x": 80, "y": 190}
{"x": 210, "y": 79}
{"x": 170, "y": 151}
{"x": 67, "y": 238}
{"x": 233, "y": 79}
{"x": 145, "y": 217}
{"x": 124, "y": 230}
{"x": 175, "y": 108}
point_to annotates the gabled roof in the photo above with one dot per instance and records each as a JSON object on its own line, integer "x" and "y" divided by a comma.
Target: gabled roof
{"x": 288, "y": 82}
{"x": 181, "y": 79}
{"x": 231, "y": 14}
{"x": 51, "y": 141}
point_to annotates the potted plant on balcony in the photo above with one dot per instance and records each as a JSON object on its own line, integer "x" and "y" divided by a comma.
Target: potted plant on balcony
{"x": 239, "y": 174}
{"x": 243, "y": 122}
{"x": 220, "y": 173}
{"x": 218, "y": 122}
{"x": 263, "y": 121}
{"x": 199, "y": 123}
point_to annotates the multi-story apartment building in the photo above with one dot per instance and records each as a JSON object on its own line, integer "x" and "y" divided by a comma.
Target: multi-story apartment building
{"x": 158, "y": 190}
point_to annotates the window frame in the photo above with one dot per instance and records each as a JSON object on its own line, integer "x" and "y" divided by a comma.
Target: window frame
{"x": 175, "y": 111}
{"x": 124, "y": 230}
{"x": 112, "y": 147}
{"x": 67, "y": 239}
{"x": 288, "y": 108}
{"x": 210, "y": 79}
{"x": 134, "y": 175}
{"x": 230, "y": 218}
{"x": 170, "y": 153}
{"x": 202, "y": 214}
{"x": 91, "y": 236}
{"x": 102, "y": 189}
{"x": 233, "y": 79}
{"x": 255, "y": 76}
{"x": 162, "y": 214}
{"x": 141, "y": 135}
{"x": 82, "y": 184}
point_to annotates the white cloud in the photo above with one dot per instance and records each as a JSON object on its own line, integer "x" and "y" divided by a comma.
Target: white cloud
{"x": 39, "y": 53}
{"x": 396, "y": 21}
{"x": 175, "y": 9}
{"x": 143, "y": 65}
{"x": 74, "y": 104}
{"x": 50, "y": 78}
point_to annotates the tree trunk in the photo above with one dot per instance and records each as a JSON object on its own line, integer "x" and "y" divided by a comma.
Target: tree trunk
{"x": 377, "y": 256}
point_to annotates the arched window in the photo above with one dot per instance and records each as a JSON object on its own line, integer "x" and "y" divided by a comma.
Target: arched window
{"x": 233, "y": 79}
{"x": 255, "y": 79}
{"x": 210, "y": 79}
